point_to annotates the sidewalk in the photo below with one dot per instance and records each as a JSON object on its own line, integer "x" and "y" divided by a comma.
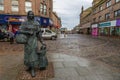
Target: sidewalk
{"x": 107, "y": 37}
{"x": 76, "y": 68}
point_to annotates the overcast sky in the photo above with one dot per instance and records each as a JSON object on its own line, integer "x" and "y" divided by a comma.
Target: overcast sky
{"x": 69, "y": 10}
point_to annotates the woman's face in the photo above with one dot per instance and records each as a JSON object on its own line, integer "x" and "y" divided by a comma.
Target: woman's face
{"x": 30, "y": 15}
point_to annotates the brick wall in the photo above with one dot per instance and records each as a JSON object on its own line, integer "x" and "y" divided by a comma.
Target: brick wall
{"x": 114, "y": 6}
{"x": 35, "y": 7}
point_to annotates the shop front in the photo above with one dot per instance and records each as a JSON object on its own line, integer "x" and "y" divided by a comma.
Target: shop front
{"x": 94, "y": 29}
{"x": 11, "y": 22}
{"x": 107, "y": 28}
{"x": 85, "y": 28}
{"x": 14, "y": 21}
{"x": 118, "y": 27}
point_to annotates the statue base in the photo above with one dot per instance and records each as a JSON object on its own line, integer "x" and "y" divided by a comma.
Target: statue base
{"x": 40, "y": 74}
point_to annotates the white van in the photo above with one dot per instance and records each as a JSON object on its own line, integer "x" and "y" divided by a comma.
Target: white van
{"x": 48, "y": 34}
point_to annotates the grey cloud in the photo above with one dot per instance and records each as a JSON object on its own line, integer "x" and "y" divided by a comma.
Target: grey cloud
{"x": 69, "y": 11}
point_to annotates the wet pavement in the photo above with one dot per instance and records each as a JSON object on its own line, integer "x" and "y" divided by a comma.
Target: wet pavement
{"x": 75, "y": 57}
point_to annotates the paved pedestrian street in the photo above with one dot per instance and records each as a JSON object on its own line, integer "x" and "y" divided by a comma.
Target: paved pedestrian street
{"x": 74, "y": 57}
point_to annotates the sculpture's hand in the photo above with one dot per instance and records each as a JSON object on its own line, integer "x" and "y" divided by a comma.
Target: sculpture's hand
{"x": 31, "y": 32}
{"x": 43, "y": 43}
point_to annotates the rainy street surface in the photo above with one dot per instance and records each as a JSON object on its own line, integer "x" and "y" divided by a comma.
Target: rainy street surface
{"x": 74, "y": 56}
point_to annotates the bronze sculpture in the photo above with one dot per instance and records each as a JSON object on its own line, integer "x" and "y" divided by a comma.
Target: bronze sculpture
{"x": 31, "y": 30}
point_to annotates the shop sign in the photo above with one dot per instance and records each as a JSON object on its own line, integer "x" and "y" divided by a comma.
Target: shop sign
{"x": 118, "y": 22}
{"x": 94, "y": 25}
{"x": 108, "y": 24}
{"x": 105, "y": 24}
{"x": 44, "y": 21}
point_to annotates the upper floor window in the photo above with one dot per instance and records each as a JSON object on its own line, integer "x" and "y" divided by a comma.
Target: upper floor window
{"x": 117, "y": 13}
{"x": 43, "y": 9}
{"x": 94, "y": 11}
{"x": 100, "y": 18}
{"x": 94, "y": 19}
{"x": 108, "y": 3}
{"x": 107, "y": 16}
{"x": 100, "y": 8}
{"x": 15, "y": 5}
{"x": 28, "y": 6}
{"x": 117, "y": 1}
{"x": 44, "y": 0}
{"x": 2, "y": 5}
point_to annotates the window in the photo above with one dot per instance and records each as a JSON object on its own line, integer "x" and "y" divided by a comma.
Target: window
{"x": 100, "y": 18}
{"x": 28, "y": 6}
{"x": 41, "y": 8}
{"x": 100, "y": 8}
{"x": 107, "y": 16}
{"x": 94, "y": 20}
{"x": 45, "y": 10}
{"x": 117, "y": 13}
{"x": 2, "y": 5}
{"x": 44, "y": 0}
{"x": 94, "y": 11}
{"x": 108, "y": 3}
{"x": 117, "y": 1}
{"x": 15, "y": 5}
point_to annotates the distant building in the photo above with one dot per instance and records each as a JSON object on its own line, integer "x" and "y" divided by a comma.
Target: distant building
{"x": 63, "y": 30}
{"x": 85, "y": 20}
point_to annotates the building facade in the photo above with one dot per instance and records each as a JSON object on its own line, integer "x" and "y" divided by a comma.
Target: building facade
{"x": 85, "y": 21}
{"x": 56, "y": 22}
{"x": 104, "y": 18}
{"x": 14, "y": 12}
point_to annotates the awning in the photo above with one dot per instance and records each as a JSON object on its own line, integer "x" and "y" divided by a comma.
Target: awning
{"x": 12, "y": 19}
{"x": 87, "y": 25}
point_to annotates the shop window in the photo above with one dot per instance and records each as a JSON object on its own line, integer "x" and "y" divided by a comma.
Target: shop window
{"x": 117, "y": 13}
{"x": 28, "y": 6}
{"x": 118, "y": 31}
{"x": 2, "y": 5}
{"x": 107, "y": 16}
{"x": 15, "y": 5}
{"x": 108, "y": 3}
{"x": 117, "y": 1}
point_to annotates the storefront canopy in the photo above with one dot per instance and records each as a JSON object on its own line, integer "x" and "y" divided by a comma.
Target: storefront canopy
{"x": 17, "y": 19}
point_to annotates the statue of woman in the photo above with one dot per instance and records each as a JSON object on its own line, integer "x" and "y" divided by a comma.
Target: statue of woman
{"x": 31, "y": 29}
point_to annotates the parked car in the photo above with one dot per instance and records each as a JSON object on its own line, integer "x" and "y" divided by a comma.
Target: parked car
{"x": 4, "y": 36}
{"x": 48, "y": 34}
